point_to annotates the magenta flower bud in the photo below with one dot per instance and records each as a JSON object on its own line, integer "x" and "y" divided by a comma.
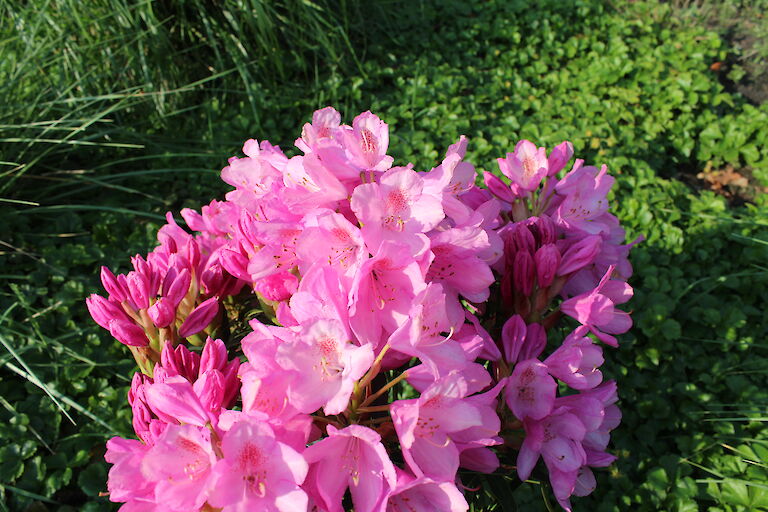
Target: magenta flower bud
{"x": 580, "y": 254}
{"x": 535, "y": 341}
{"x": 136, "y": 391}
{"x": 542, "y": 228}
{"x": 247, "y": 225}
{"x": 513, "y": 338}
{"x": 128, "y": 333}
{"x": 170, "y": 244}
{"x": 179, "y": 288}
{"x": 212, "y": 280}
{"x": 112, "y": 286}
{"x": 210, "y": 388}
{"x": 140, "y": 264}
{"x": 138, "y": 287}
{"x": 104, "y": 311}
{"x": 231, "y": 382}
{"x": 277, "y": 287}
{"x": 141, "y": 419}
{"x": 123, "y": 282}
{"x": 180, "y": 361}
{"x": 559, "y": 157}
{"x": 214, "y": 356}
{"x": 192, "y": 252}
{"x": 523, "y": 239}
{"x": 235, "y": 263}
{"x": 200, "y": 317}
{"x": 524, "y": 272}
{"x": 498, "y": 188}
{"x": 170, "y": 276}
{"x": 161, "y": 313}
{"x": 547, "y": 259}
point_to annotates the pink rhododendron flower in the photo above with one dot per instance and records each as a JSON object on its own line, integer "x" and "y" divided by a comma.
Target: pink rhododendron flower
{"x": 258, "y": 472}
{"x": 424, "y": 426}
{"x": 351, "y": 458}
{"x": 180, "y": 464}
{"x": 425, "y": 495}
{"x": 328, "y": 365}
{"x": 526, "y": 167}
{"x": 337, "y": 283}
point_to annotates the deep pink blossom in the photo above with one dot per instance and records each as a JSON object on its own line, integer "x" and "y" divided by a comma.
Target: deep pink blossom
{"x": 351, "y": 458}
{"x": 258, "y": 472}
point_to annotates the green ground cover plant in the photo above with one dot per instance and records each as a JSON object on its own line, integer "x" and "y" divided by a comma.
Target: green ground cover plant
{"x": 90, "y": 164}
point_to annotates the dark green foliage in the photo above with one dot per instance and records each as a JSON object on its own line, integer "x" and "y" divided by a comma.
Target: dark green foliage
{"x": 630, "y": 85}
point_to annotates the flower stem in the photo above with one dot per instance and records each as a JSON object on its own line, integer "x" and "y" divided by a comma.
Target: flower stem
{"x": 376, "y": 408}
{"x": 384, "y": 389}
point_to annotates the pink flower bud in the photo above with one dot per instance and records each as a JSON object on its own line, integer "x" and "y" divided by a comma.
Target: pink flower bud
{"x": 140, "y": 264}
{"x": 104, "y": 311}
{"x": 128, "y": 333}
{"x": 161, "y": 313}
{"x": 559, "y": 157}
{"x": 137, "y": 387}
{"x": 522, "y": 239}
{"x": 200, "y": 317}
{"x": 179, "y": 288}
{"x": 214, "y": 356}
{"x": 123, "y": 282}
{"x": 108, "y": 279}
{"x": 235, "y": 263}
{"x": 524, "y": 272}
{"x": 535, "y": 341}
{"x": 210, "y": 388}
{"x": 498, "y": 188}
{"x": 141, "y": 419}
{"x": 542, "y": 228}
{"x": 212, "y": 280}
{"x": 138, "y": 287}
{"x": 513, "y": 338}
{"x": 180, "y": 361}
{"x": 192, "y": 252}
{"x": 547, "y": 259}
{"x": 580, "y": 254}
{"x": 277, "y": 287}
{"x": 231, "y": 382}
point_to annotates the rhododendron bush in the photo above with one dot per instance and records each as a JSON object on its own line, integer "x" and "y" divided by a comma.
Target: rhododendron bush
{"x": 344, "y": 333}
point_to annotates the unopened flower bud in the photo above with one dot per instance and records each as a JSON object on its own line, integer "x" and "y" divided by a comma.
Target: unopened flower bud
{"x": 235, "y": 263}
{"x": 214, "y": 356}
{"x": 179, "y": 288}
{"x": 111, "y": 284}
{"x": 524, "y": 273}
{"x": 138, "y": 287}
{"x": 161, "y": 313}
{"x": 104, "y": 311}
{"x": 547, "y": 259}
{"x": 580, "y": 254}
{"x": 200, "y": 317}
{"x": 559, "y": 157}
{"x": 128, "y": 333}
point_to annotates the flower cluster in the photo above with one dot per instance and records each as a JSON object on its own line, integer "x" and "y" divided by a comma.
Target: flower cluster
{"x": 412, "y": 324}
